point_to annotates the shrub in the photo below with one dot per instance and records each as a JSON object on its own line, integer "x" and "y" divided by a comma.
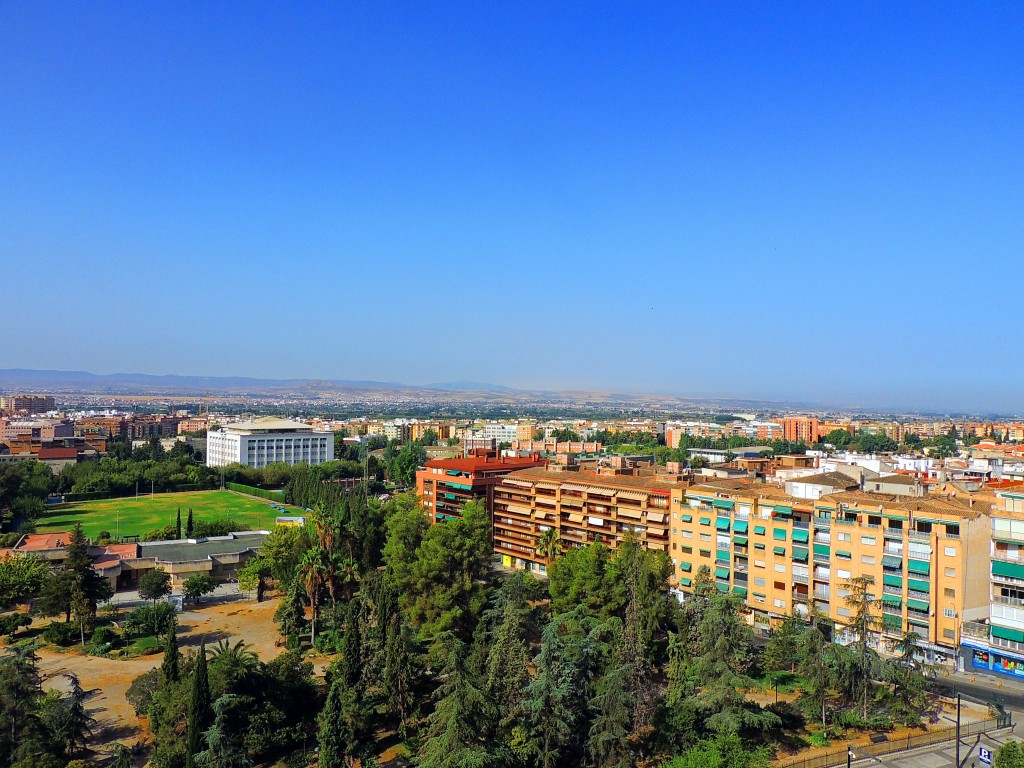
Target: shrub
{"x": 60, "y": 633}
{"x": 13, "y": 622}
{"x": 155, "y": 619}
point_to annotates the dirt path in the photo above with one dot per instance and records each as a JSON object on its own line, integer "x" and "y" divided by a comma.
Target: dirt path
{"x": 109, "y": 678}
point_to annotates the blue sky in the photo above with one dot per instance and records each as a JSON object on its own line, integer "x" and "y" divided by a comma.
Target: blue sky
{"x": 813, "y": 201}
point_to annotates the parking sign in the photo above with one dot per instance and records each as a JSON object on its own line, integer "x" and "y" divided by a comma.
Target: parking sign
{"x": 985, "y": 755}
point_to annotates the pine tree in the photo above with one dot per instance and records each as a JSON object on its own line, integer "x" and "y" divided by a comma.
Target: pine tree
{"x": 188, "y": 524}
{"x": 343, "y": 726}
{"x": 177, "y": 526}
{"x": 199, "y": 711}
{"x": 454, "y": 728}
{"x": 609, "y": 735}
{"x": 170, "y": 668}
{"x": 549, "y": 715}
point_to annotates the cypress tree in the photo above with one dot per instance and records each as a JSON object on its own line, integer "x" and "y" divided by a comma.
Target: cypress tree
{"x": 177, "y": 525}
{"x": 199, "y": 709}
{"x": 169, "y": 669}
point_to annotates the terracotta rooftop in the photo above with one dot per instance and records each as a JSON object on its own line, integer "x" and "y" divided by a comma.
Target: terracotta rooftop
{"x": 34, "y": 542}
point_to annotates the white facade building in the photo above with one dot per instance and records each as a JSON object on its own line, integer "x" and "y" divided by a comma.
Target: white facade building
{"x": 265, "y": 441}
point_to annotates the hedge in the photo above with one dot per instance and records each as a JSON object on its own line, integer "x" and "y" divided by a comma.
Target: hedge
{"x": 258, "y": 492}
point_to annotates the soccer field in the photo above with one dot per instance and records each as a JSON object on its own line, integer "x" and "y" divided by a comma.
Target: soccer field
{"x": 129, "y": 516}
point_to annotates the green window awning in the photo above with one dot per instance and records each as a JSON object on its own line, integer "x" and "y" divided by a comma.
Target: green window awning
{"x": 740, "y": 540}
{"x": 684, "y": 566}
{"x": 721, "y": 554}
{"x": 1005, "y": 633}
{"x": 800, "y": 535}
{"x": 1011, "y": 570}
{"x": 686, "y": 518}
{"x": 843, "y": 553}
{"x": 892, "y": 561}
{"x": 919, "y": 585}
{"x": 721, "y": 587}
{"x": 705, "y": 521}
{"x": 740, "y": 526}
{"x": 722, "y": 504}
{"x": 891, "y": 622}
{"x": 892, "y": 600}
{"x": 686, "y": 582}
{"x": 919, "y": 566}
{"x": 722, "y": 573}
{"x": 892, "y": 581}
{"x": 759, "y": 529}
{"x": 722, "y": 523}
{"x": 822, "y": 549}
{"x": 800, "y": 554}
{"x": 779, "y": 550}
{"x": 918, "y": 605}
{"x": 779, "y": 534}
{"x": 741, "y": 591}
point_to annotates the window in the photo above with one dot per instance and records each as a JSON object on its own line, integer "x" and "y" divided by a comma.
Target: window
{"x": 845, "y": 537}
{"x": 867, "y": 559}
{"x": 949, "y": 551}
{"x": 867, "y": 540}
{"x": 950, "y": 572}
{"x": 949, "y": 592}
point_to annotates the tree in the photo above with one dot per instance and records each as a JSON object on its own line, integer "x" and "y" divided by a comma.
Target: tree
{"x": 343, "y": 727}
{"x": 313, "y": 575}
{"x": 1010, "y": 755}
{"x": 197, "y": 585}
{"x": 547, "y": 704}
{"x": 154, "y": 584}
{"x": 460, "y": 717}
{"x": 199, "y": 712}
{"x": 549, "y": 546}
{"x": 254, "y": 575}
{"x": 862, "y": 622}
{"x": 170, "y": 668}
{"x": 224, "y": 746}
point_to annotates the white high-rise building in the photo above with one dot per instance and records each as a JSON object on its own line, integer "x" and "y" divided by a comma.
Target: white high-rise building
{"x": 259, "y": 442}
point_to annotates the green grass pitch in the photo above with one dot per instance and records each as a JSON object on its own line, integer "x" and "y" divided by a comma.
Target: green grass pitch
{"x": 130, "y": 516}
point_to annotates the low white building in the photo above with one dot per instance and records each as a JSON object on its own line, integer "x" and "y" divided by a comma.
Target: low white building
{"x": 259, "y": 442}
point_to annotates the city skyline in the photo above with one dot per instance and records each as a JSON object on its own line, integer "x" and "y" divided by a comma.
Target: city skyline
{"x": 810, "y": 204}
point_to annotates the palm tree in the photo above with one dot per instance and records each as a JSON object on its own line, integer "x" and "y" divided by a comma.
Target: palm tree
{"x": 346, "y": 572}
{"x": 549, "y": 546}
{"x": 313, "y": 572}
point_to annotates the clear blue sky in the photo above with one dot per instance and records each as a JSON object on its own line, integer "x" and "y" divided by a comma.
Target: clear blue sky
{"x": 817, "y": 201}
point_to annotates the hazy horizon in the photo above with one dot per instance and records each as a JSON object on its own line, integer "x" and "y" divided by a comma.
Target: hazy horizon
{"x": 790, "y": 203}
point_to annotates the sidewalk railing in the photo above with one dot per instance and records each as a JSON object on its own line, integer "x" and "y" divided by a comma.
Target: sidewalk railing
{"x": 910, "y": 741}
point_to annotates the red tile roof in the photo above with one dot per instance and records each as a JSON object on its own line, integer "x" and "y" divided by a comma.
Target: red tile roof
{"x": 33, "y": 542}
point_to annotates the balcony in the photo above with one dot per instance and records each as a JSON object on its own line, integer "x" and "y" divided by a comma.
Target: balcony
{"x": 975, "y": 629}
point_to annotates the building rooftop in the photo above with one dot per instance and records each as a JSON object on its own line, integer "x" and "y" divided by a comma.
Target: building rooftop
{"x": 266, "y": 424}
{"x": 188, "y": 550}
{"x": 592, "y": 478}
